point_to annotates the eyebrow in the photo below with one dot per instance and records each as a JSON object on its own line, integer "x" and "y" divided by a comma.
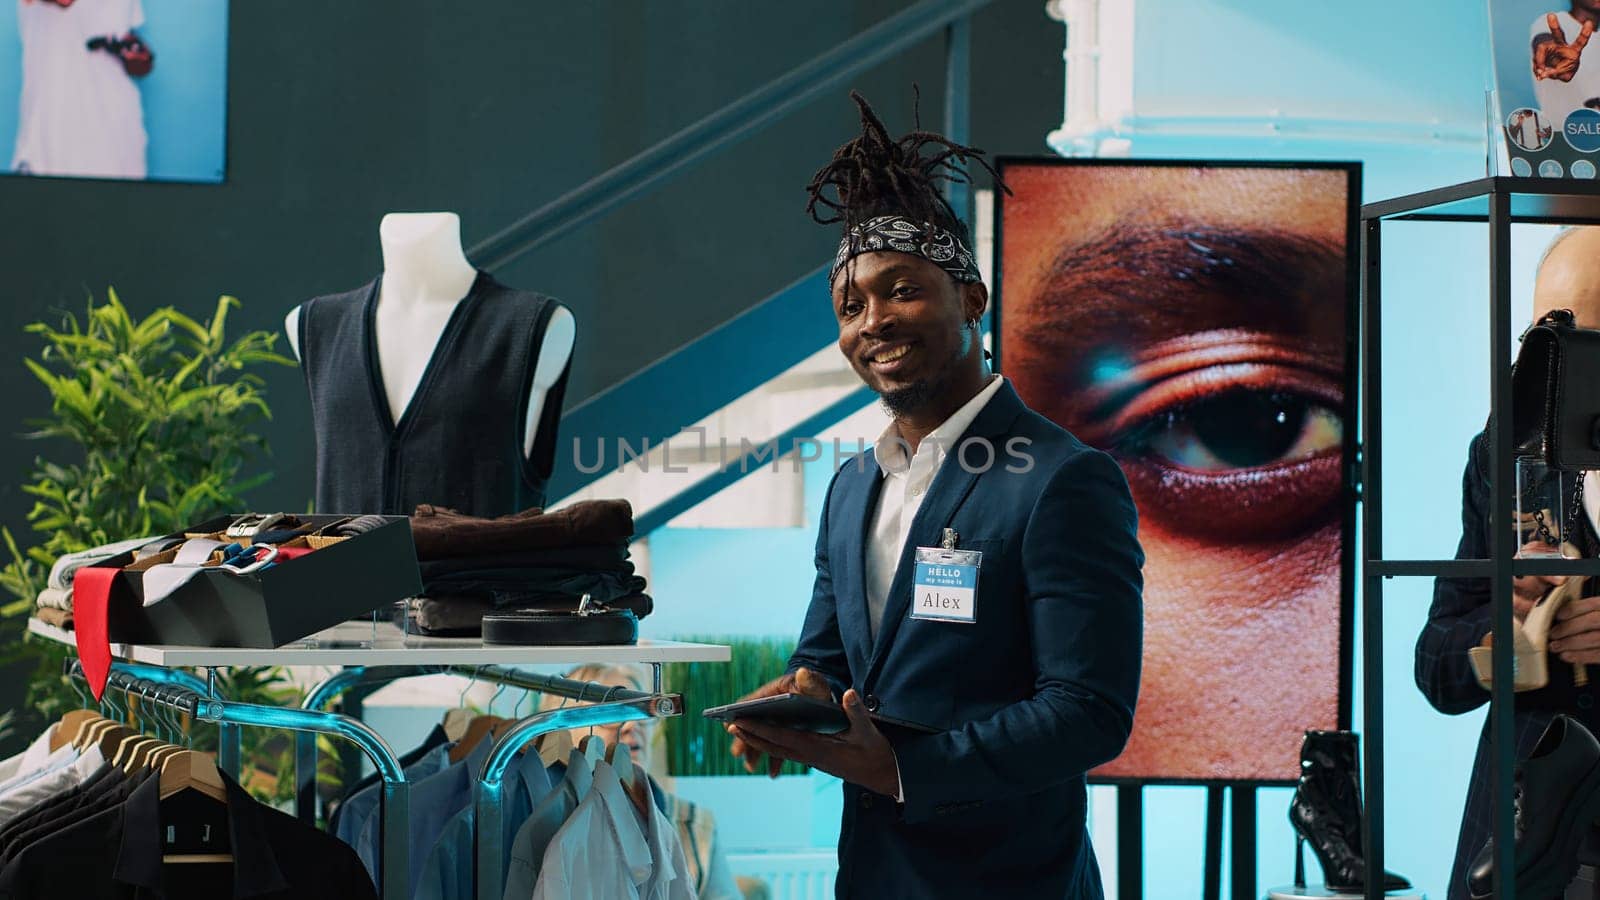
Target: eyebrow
{"x": 895, "y": 269}
{"x": 1147, "y": 283}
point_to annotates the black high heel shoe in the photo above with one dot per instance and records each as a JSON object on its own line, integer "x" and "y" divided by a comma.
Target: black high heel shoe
{"x": 1326, "y": 813}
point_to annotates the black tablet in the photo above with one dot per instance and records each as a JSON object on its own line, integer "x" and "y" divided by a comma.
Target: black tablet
{"x": 803, "y": 713}
{"x": 794, "y": 711}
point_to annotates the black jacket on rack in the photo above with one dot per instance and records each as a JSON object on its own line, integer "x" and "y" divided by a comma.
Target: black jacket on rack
{"x": 1458, "y": 620}
{"x": 113, "y": 851}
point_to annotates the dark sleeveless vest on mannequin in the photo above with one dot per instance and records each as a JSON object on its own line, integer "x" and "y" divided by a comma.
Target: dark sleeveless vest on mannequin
{"x": 459, "y": 440}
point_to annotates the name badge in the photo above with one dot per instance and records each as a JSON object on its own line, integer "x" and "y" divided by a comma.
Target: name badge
{"x": 946, "y": 588}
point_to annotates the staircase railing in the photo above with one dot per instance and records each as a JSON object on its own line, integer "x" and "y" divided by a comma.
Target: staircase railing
{"x": 681, "y": 388}
{"x": 746, "y": 117}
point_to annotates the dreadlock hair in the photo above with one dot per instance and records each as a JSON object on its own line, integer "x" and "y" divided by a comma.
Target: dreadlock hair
{"x": 876, "y": 175}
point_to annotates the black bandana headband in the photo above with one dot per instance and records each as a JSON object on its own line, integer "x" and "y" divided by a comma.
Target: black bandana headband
{"x": 932, "y": 243}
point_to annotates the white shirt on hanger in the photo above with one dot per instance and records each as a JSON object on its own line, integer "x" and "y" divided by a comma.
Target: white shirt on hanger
{"x": 29, "y": 761}
{"x": 544, "y": 823}
{"x": 601, "y": 853}
{"x": 49, "y": 784}
{"x": 39, "y": 760}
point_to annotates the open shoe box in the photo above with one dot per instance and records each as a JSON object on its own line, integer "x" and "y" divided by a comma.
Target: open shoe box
{"x": 343, "y": 578}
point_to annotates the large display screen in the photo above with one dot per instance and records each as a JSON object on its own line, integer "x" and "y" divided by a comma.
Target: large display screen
{"x": 1196, "y": 321}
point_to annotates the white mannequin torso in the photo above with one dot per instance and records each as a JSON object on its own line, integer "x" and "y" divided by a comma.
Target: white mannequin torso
{"x": 425, "y": 274}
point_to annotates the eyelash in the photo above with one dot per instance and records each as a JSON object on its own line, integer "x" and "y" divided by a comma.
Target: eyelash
{"x": 1276, "y": 499}
{"x": 899, "y": 292}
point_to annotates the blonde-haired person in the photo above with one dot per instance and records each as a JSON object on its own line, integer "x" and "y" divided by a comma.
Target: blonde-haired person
{"x": 697, "y": 831}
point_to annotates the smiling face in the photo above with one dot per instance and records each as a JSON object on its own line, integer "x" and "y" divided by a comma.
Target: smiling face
{"x": 1191, "y": 323}
{"x": 904, "y": 325}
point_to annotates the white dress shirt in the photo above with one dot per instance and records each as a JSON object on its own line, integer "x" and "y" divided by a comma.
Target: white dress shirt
{"x": 50, "y": 784}
{"x": 905, "y": 484}
{"x": 602, "y": 853}
{"x": 544, "y": 823}
{"x": 29, "y": 762}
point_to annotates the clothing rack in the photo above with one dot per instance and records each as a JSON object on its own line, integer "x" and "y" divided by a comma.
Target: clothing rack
{"x": 175, "y": 689}
{"x": 351, "y": 677}
{"x": 615, "y": 705}
{"x": 380, "y": 654}
{"x": 227, "y": 732}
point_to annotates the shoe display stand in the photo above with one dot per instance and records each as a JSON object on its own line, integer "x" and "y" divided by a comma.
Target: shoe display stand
{"x": 373, "y": 654}
{"x": 1499, "y": 202}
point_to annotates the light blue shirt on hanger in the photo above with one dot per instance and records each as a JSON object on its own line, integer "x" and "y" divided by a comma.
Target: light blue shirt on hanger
{"x": 434, "y": 801}
{"x": 447, "y": 873}
{"x": 363, "y": 804}
{"x": 525, "y": 853}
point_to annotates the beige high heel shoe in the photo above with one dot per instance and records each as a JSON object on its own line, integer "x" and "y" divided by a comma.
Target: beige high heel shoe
{"x": 1530, "y": 667}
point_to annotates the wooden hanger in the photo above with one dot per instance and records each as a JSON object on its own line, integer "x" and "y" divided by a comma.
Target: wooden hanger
{"x": 554, "y": 746}
{"x": 159, "y": 755}
{"x": 111, "y": 741}
{"x": 89, "y": 735}
{"x": 593, "y": 749}
{"x": 124, "y": 753}
{"x": 192, "y": 770}
{"x": 479, "y": 729}
{"x": 197, "y": 858}
{"x": 70, "y": 725}
{"x": 455, "y": 722}
{"x": 144, "y": 752}
{"x": 500, "y": 728}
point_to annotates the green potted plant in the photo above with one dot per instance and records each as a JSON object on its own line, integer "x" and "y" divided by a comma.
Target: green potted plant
{"x": 152, "y": 423}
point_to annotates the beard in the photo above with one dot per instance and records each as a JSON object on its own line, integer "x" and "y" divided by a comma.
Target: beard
{"x": 908, "y": 399}
{"x": 914, "y": 396}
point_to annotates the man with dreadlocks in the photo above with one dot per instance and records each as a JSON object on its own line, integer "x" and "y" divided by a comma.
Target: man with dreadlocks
{"x": 1017, "y": 688}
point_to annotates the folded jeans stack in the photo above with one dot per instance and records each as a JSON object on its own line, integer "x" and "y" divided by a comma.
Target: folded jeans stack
{"x": 55, "y": 601}
{"x": 532, "y": 559}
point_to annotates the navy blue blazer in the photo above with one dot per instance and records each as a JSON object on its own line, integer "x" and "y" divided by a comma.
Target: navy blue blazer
{"x": 1036, "y": 692}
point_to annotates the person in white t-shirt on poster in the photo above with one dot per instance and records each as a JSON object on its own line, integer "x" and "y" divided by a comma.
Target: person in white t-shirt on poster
{"x": 1565, "y": 75}
{"x": 80, "y": 111}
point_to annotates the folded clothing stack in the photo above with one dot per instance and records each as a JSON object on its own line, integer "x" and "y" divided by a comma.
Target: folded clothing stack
{"x": 55, "y": 601}
{"x": 532, "y": 559}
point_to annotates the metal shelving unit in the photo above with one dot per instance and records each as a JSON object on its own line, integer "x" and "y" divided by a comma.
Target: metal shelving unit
{"x": 1499, "y": 202}
{"x": 384, "y": 644}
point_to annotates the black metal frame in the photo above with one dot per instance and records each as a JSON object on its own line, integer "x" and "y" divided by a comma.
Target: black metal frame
{"x": 1501, "y": 202}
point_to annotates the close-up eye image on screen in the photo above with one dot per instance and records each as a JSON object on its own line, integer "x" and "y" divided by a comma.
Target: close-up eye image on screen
{"x": 1193, "y": 321}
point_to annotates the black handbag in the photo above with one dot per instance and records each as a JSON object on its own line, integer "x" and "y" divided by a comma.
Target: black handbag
{"x": 1555, "y": 393}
